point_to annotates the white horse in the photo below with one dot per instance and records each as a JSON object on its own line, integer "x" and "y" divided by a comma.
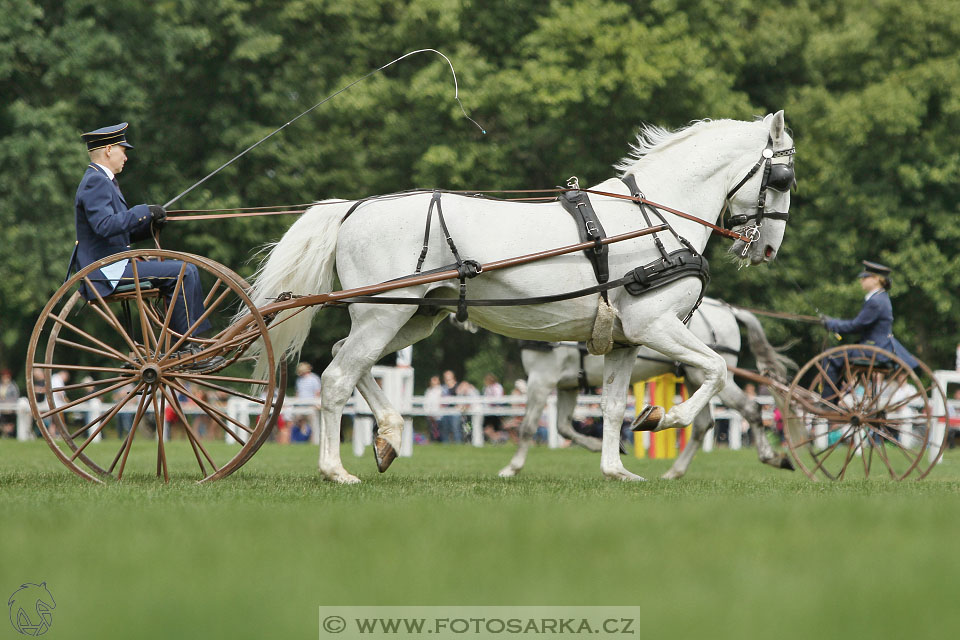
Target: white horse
{"x": 714, "y": 322}
{"x": 696, "y": 170}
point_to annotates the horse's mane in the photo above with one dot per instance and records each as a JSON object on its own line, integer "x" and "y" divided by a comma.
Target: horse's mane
{"x": 652, "y": 138}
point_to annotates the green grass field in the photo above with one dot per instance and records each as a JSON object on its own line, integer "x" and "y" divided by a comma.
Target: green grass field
{"x": 734, "y": 550}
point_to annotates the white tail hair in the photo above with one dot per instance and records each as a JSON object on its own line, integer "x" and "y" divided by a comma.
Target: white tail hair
{"x": 302, "y": 262}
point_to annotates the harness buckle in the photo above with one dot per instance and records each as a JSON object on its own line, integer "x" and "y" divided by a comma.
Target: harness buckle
{"x": 573, "y": 183}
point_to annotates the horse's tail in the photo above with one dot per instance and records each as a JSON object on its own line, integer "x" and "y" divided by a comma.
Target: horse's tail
{"x": 769, "y": 359}
{"x": 302, "y": 262}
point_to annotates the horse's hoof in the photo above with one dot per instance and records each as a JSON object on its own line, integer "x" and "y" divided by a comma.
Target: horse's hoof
{"x": 508, "y": 472}
{"x": 648, "y": 419}
{"x": 786, "y": 463}
{"x": 341, "y": 478}
{"x": 624, "y": 475}
{"x": 384, "y": 452}
{"x": 672, "y": 475}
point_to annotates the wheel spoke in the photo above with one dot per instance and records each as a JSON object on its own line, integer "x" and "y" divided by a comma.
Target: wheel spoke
{"x": 211, "y": 411}
{"x": 199, "y": 380}
{"x": 80, "y": 332}
{"x": 196, "y": 324}
{"x": 105, "y": 312}
{"x": 92, "y": 383}
{"x": 882, "y": 454}
{"x": 129, "y": 441}
{"x": 827, "y": 378}
{"x": 223, "y": 415}
{"x": 827, "y": 452}
{"x": 161, "y": 452}
{"x": 903, "y": 450}
{"x": 168, "y": 316}
{"x": 867, "y": 457}
{"x": 104, "y": 419}
{"x": 113, "y": 355}
{"x": 73, "y": 403}
{"x": 216, "y": 285}
{"x": 201, "y": 376}
{"x": 145, "y": 330}
{"x": 175, "y": 403}
{"x": 851, "y": 450}
{"x": 215, "y": 348}
{"x": 80, "y": 367}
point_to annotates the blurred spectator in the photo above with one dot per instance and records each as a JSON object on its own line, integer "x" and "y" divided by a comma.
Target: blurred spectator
{"x": 431, "y": 406}
{"x": 492, "y": 424}
{"x": 70, "y": 419}
{"x": 123, "y": 418}
{"x": 9, "y": 392}
{"x": 40, "y": 392}
{"x": 451, "y": 426}
{"x": 778, "y": 424}
{"x": 301, "y": 432}
{"x": 308, "y": 388}
{"x": 308, "y": 383}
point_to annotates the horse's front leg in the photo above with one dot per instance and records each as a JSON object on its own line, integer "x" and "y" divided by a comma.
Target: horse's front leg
{"x": 701, "y": 425}
{"x": 669, "y": 336}
{"x": 617, "y": 368}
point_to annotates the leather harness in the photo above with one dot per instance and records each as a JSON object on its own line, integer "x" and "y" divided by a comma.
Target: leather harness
{"x": 671, "y": 266}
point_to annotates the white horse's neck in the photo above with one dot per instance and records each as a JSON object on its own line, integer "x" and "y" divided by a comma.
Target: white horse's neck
{"x": 692, "y": 169}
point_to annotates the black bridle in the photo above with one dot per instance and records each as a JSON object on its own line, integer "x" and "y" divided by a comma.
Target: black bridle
{"x": 779, "y": 177}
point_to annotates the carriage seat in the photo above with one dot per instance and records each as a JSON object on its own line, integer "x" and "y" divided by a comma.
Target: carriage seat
{"x": 129, "y": 290}
{"x": 878, "y": 365}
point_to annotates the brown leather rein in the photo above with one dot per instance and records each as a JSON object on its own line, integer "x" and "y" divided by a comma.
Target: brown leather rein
{"x": 244, "y": 212}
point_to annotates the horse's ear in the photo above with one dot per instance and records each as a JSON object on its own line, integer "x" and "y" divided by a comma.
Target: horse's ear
{"x": 776, "y": 125}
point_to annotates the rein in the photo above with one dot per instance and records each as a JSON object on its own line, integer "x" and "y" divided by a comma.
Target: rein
{"x": 243, "y": 212}
{"x": 781, "y": 315}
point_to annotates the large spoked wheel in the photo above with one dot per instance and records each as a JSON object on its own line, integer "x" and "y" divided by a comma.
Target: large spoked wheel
{"x": 860, "y": 411}
{"x": 106, "y": 371}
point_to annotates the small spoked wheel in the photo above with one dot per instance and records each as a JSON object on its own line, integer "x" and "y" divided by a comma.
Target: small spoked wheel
{"x": 117, "y": 388}
{"x": 858, "y": 411}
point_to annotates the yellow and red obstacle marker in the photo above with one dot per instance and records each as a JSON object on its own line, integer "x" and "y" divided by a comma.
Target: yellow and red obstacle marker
{"x": 662, "y": 391}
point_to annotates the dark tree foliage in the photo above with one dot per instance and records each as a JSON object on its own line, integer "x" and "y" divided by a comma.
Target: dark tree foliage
{"x": 871, "y": 90}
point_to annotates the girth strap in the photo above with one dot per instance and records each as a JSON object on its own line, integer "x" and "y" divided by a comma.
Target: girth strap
{"x": 577, "y": 204}
{"x": 677, "y": 264}
{"x": 465, "y": 268}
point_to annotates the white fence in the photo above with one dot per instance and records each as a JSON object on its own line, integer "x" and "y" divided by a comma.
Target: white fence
{"x": 397, "y": 384}
{"x": 471, "y": 409}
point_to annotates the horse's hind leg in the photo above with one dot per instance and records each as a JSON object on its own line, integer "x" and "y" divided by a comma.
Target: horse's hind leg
{"x": 566, "y": 403}
{"x": 542, "y": 378}
{"x": 389, "y": 420}
{"x": 733, "y": 396}
{"x": 371, "y": 332}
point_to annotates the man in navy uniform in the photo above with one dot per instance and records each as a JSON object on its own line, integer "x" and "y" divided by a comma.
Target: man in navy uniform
{"x": 106, "y": 226}
{"x": 874, "y": 323}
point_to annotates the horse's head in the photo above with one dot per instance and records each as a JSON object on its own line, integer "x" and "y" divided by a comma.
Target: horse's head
{"x": 759, "y": 202}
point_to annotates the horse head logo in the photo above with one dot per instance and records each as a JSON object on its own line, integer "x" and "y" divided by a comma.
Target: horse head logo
{"x": 30, "y": 609}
